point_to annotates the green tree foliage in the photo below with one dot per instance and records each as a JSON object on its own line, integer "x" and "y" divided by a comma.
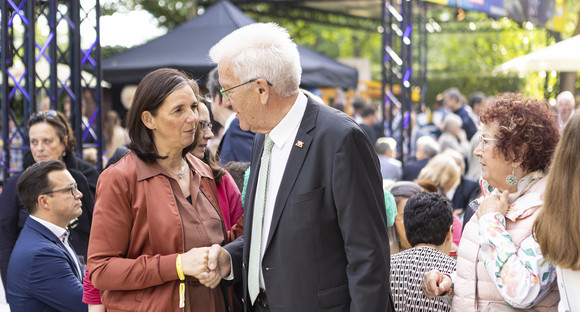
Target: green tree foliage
{"x": 462, "y": 55}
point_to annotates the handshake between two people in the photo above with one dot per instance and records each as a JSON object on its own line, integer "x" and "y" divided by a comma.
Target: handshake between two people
{"x": 208, "y": 264}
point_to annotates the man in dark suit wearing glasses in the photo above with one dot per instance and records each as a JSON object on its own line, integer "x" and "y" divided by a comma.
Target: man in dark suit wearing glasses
{"x": 44, "y": 273}
{"x": 315, "y": 235}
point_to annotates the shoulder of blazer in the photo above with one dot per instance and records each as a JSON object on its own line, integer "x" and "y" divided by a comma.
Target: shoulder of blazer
{"x": 35, "y": 226}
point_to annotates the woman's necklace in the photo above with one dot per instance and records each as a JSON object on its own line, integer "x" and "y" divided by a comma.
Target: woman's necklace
{"x": 179, "y": 174}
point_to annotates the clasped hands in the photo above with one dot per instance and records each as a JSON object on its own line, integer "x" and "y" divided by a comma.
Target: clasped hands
{"x": 208, "y": 264}
{"x": 436, "y": 284}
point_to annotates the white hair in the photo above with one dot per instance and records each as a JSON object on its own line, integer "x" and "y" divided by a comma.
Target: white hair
{"x": 428, "y": 145}
{"x": 262, "y": 50}
{"x": 565, "y": 97}
{"x": 451, "y": 121}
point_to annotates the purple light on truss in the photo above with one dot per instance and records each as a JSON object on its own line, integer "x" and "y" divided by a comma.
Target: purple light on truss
{"x": 17, "y": 83}
{"x": 406, "y": 120}
{"x": 407, "y": 77}
{"x": 87, "y": 54}
{"x": 42, "y": 51}
{"x": 407, "y": 32}
{"x": 17, "y": 9}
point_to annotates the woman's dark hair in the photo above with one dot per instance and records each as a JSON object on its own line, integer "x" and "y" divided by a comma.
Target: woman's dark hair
{"x": 151, "y": 92}
{"x": 528, "y": 129}
{"x": 210, "y": 159}
{"x": 58, "y": 121}
{"x": 427, "y": 219}
{"x": 34, "y": 182}
{"x": 237, "y": 169}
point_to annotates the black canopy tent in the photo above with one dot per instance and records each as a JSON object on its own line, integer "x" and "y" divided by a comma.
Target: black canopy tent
{"x": 186, "y": 47}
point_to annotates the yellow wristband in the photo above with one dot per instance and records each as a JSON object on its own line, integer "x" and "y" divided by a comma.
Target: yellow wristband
{"x": 179, "y": 268}
{"x": 182, "y": 281}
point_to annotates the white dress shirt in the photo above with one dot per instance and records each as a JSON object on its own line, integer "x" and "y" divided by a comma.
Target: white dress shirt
{"x": 283, "y": 136}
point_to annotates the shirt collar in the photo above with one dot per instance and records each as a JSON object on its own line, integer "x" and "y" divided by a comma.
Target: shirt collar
{"x": 146, "y": 170}
{"x": 55, "y": 229}
{"x": 229, "y": 121}
{"x": 287, "y": 126}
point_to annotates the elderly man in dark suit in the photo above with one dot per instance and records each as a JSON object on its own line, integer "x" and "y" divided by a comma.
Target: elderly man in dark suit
{"x": 44, "y": 273}
{"x": 315, "y": 235}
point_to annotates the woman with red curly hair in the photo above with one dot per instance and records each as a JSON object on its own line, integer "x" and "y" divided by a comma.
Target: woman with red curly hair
{"x": 499, "y": 263}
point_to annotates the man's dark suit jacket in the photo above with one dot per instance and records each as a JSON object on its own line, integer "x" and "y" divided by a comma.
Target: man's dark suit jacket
{"x": 466, "y": 191}
{"x": 236, "y": 144}
{"x": 411, "y": 170}
{"x": 328, "y": 248}
{"x": 41, "y": 274}
{"x": 13, "y": 213}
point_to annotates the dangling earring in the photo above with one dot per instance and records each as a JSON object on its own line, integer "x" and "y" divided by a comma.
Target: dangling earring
{"x": 511, "y": 179}
{"x": 63, "y": 154}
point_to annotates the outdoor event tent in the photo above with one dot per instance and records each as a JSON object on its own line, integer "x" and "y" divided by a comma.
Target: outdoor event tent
{"x": 186, "y": 47}
{"x": 562, "y": 56}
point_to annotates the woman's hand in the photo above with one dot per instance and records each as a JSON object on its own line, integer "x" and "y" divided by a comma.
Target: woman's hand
{"x": 493, "y": 203}
{"x": 435, "y": 284}
{"x": 194, "y": 262}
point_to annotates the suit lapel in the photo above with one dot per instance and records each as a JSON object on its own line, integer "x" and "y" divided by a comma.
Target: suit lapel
{"x": 300, "y": 148}
{"x": 55, "y": 240}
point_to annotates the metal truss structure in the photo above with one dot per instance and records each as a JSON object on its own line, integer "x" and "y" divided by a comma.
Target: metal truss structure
{"x": 404, "y": 67}
{"x": 47, "y": 64}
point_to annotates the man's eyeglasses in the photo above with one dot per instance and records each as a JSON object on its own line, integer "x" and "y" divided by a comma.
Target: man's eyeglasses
{"x": 224, "y": 92}
{"x": 73, "y": 189}
{"x": 483, "y": 141}
{"x": 204, "y": 125}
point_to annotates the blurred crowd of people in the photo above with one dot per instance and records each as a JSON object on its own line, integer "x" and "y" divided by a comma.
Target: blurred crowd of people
{"x": 259, "y": 197}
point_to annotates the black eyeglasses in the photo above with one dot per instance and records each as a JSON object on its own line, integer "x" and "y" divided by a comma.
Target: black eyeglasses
{"x": 224, "y": 92}
{"x": 204, "y": 125}
{"x": 73, "y": 190}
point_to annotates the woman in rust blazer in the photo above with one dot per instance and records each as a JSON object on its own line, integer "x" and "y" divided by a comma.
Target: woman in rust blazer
{"x": 157, "y": 209}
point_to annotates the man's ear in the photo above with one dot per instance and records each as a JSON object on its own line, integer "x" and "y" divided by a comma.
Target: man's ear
{"x": 148, "y": 120}
{"x": 42, "y": 202}
{"x": 263, "y": 90}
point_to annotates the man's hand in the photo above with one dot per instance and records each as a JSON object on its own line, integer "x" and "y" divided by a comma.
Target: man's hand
{"x": 218, "y": 264}
{"x": 435, "y": 284}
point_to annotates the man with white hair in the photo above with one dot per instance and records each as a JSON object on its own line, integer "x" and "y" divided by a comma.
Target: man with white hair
{"x": 565, "y": 104}
{"x": 390, "y": 167}
{"x": 427, "y": 148}
{"x": 315, "y": 234}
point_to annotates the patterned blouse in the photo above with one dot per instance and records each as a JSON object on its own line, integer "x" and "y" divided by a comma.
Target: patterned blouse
{"x": 407, "y": 270}
{"x": 522, "y": 276}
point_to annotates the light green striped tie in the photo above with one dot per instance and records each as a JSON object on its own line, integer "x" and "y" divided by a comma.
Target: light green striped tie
{"x": 257, "y": 222}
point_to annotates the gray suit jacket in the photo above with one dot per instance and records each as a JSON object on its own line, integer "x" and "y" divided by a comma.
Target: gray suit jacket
{"x": 327, "y": 248}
